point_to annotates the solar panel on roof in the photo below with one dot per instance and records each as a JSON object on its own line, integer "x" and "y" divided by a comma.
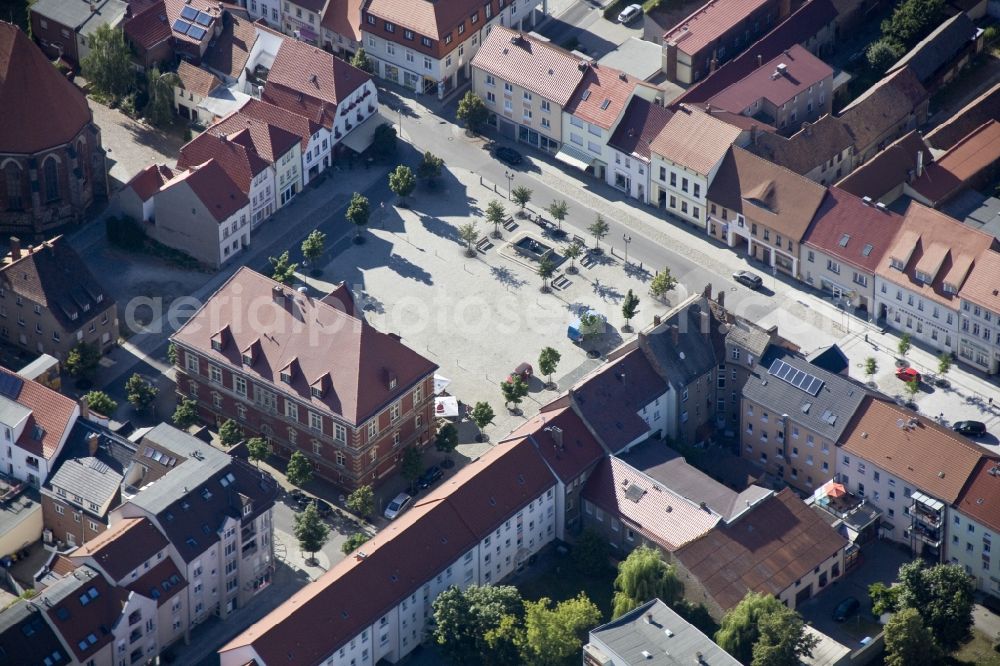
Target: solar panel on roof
{"x": 196, "y": 33}
{"x": 189, "y": 13}
{"x": 10, "y": 386}
{"x": 181, "y": 26}
{"x": 798, "y": 378}
{"x": 203, "y": 19}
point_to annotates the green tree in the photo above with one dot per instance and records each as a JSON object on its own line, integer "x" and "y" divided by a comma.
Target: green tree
{"x": 172, "y": 353}
{"x": 299, "y": 471}
{"x": 362, "y": 61}
{"x": 311, "y": 531}
{"x": 402, "y": 182}
{"x": 558, "y": 210}
{"x": 160, "y": 86}
{"x": 908, "y": 642}
{"x": 430, "y": 168}
{"x": 482, "y": 415}
{"x": 358, "y": 212}
{"x": 463, "y": 618}
{"x": 469, "y": 233}
{"x": 599, "y": 229}
{"x": 871, "y": 367}
{"x": 548, "y": 361}
{"x": 944, "y": 363}
{"x": 521, "y": 195}
{"x": 904, "y": 345}
{"x": 591, "y": 552}
{"x": 943, "y": 595}
{"x": 546, "y": 269}
{"x": 514, "y": 390}
{"x": 101, "y": 402}
{"x": 642, "y": 576}
{"x": 446, "y": 438}
{"x": 413, "y": 464}
{"x": 554, "y": 635}
{"x": 313, "y": 246}
{"x": 662, "y": 283}
{"x": 139, "y": 392}
{"x": 591, "y": 325}
{"x": 503, "y": 641}
{"x": 186, "y": 414}
{"x": 281, "y": 269}
{"x": 361, "y": 502}
{"x": 258, "y": 449}
{"x": 762, "y": 631}
{"x": 472, "y": 111}
{"x": 384, "y": 142}
{"x": 883, "y": 54}
{"x": 572, "y": 252}
{"x": 107, "y": 66}
{"x": 353, "y": 542}
{"x": 912, "y": 387}
{"x": 495, "y": 215}
{"x": 82, "y": 360}
{"x": 697, "y": 615}
{"x": 630, "y": 307}
{"x": 912, "y": 20}
{"x": 230, "y": 433}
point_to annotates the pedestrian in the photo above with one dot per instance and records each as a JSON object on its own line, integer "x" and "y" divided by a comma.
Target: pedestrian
{"x": 866, "y": 337}
{"x": 991, "y": 402}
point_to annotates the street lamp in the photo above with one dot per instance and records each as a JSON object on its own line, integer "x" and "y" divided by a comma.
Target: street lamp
{"x": 509, "y": 176}
{"x": 627, "y": 239}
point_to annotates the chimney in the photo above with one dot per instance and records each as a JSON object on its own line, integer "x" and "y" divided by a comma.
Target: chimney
{"x": 649, "y": 618}
{"x": 84, "y": 408}
{"x": 807, "y": 128}
{"x": 93, "y": 7}
{"x": 920, "y": 163}
{"x": 760, "y": 60}
{"x": 656, "y": 320}
{"x": 707, "y": 292}
{"x": 15, "y": 248}
{"x": 278, "y": 294}
{"x": 557, "y": 435}
{"x": 720, "y": 298}
{"x": 754, "y": 134}
{"x": 92, "y": 440}
{"x": 675, "y": 334}
{"x": 706, "y": 323}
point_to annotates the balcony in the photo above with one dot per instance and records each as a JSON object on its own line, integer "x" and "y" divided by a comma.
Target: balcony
{"x": 929, "y": 536}
{"x": 248, "y": 532}
{"x": 925, "y": 517}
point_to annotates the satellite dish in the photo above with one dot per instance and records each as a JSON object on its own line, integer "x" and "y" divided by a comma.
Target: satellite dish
{"x": 900, "y": 423}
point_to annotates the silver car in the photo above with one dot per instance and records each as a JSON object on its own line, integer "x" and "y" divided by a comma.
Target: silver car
{"x": 397, "y": 505}
{"x": 629, "y": 14}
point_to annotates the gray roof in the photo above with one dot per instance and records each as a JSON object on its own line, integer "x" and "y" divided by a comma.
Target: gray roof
{"x": 88, "y": 477}
{"x": 94, "y": 478}
{"x": 938, "y": 48}
{"x": 826, "y": 413}
{"x": 667, "y": 638}
{"x": 77, "y": 14}
{"x": 12, "y": 412}
{"x": 831, "y": 359}
{"x": 748, "y": 336}
{"x": 695, "y": 352}
{"x": 663, "y": 464}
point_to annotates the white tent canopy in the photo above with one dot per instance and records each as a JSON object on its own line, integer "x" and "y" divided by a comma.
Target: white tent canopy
{"x": 440, "y": 384}
{"x": 446, "y": 406}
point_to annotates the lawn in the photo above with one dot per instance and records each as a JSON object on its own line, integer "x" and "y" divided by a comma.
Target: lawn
{"x": 978, "y": 651}
{"x": 563, "y": 580}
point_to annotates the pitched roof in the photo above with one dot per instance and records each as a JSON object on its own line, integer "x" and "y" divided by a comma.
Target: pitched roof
{"x": 123, "y": 547}
{"x": 148, "y": 26}
{"x": 276, "y": 116}
{"x": 889, "y": 168}
{"x": 934, "y": 243}
{"x": 933, "y": 458}
{"x": 432, "y": 19}
{"x": 356, "y": 357}
{"x": 214, "y": 188}
{"x": 197, "y": 80}
{"x": 268, "y": 140}
{"x": 239, "y": 159}
{"x": 980, "y": 499}
{"x": 765, "y": 550}
{"x": 968, "y": 158}
{"x": 89, "y": 478}
{"x": 344, "y": 18}
{"x": 53, "y": 275}
{"x": 403, "y": 556}
{"x": 160, "y": 582}
{"x": 82, "y": 16}
{"x": 813, "y": 145}
{"x": 766, "y": 193}
{"x": 983, "y": 285}
{"x": 938, "y": 48}
{"x": 51, "y": 413}
{"x": 885, "y": 105}
{"x": 78, "y": 606}
{"x": 825, "y": 409}
{"x": 709, "y": 23}
{"x": 95, "y": 478}
{"x": 694, "y": 140}
{"x": 562, "y": 439}
{"x": 852, "y": 231}
{"x": 29, "y": 82}
{"x": 698, "y": 347}
{"x": 26, "y": 638}
{"x": 980, "y": 110}
{"x": 231, "y": 50}
{"x": 602, "y": 95}
{"x": 150, "y": 180}
{"x": 543, "y": 68}
{"x": 775, "y": 83}
{"x": 643, "y": 121}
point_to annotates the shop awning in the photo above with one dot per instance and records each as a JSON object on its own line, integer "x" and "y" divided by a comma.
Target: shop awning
{"x": 440, "y": 383}
{"x": 446, "y": 406}
{"x": 573, "y": 158}
{"x": 359, "y": 138}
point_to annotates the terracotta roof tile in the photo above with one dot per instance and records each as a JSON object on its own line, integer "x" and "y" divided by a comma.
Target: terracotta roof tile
{"x": 807, "y": 149}
{"x": 267, "y": 139}
{"x": 710, "y": 22}
{"x": 983, "y": 285}
{"x": 296, "y": 124}
{"x": 952, "y": 171}
{"x": 888, "y": 169}
{"x": 802, "y": 71}
{"x": 148, "y": 182}
{"x": 123, "y": 547}
{"x": 161, "y": 582}
{"x": 148, "y": 26}
{"x": 695, "y": 140}
{"x": 563, "y": 439}
{"x": 544, "y": 69}
{"x": 883, "y": 106}
{"x": 932, "y": 458}
{"x": 984, "y": 108}
{"x": 848, "y": 229}
{"x": 431, "y": 19}
{"x": 104, "y": 605}
{"x": 355, "y": 355}
{"x": 197, "y": 80}
{"x": 214, "y": 188}
{"x": 643, "y": 121}
{"x": 980, "y": 499}
{"x": 602, "y": 95}
{"x": 344, "y": 18}
{"x": 231, "y": 51}
{"x": 28, "y": 84}
{"x": 240, "y": 162}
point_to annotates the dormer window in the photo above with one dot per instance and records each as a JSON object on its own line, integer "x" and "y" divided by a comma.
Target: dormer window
{"x": 897, "y": 264}
{"x": 247, "y": 359}
{"x": 926, "y": 278}
{"x": 286, "y": 377}
{"x": 248, "y": 509}
{"x": 217, "y": 345}
{"x": 949, "y": 288}
{"x": 316, "y": 391}
{"x": 392, "y": 383}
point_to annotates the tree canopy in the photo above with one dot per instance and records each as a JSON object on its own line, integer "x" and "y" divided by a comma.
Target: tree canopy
{"x": 554, "y": 635}
{"x": 230, "y": 433}
{"x": 384, "y": 142}
{"x": 159, "y": 109}
{"x": 107, "y": 66}
{"x": 943, "y": 595}
{"x": 362, "y": 61}
{"x": 447, "y": 438}
{"x": 558, "y": 210}
{"x": 430, "y": 167}
{"x": 258, "y": 449}
{"x": 514, "y": 390}
{"x": 762, "y": 631}
{"x": 299, "y": 470}
{"x": 101, "y": 402}
{"x": 495, "y": 215}
{"x": 402, "y": 182}
{"x": 599, "y": 229}
{"x": 642, "y": 576}
{"x": 462, "y": 619}
{"x": 282, "y": 270}
{"x": 361, "y": 502}
{"x": 358, "y": 211}
{"x": 413, "y": 464}
{"x": 908, "y": 642}
{"x": 662, "y": 283}
{"x": 139, "y": 392}
{"x": 472, "y": 111}
{"x": 82, "y": 360}
{"x": 313, "y": 245}
{"x": 186, "y": 414}
{"x": 548, "y": 361}
{"x": 310, "y": 530}
{"x": 482, "y": 415}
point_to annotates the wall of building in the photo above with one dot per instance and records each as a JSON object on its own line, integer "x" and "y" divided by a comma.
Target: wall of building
{"x": 680, "y": 190}
{"x": 837, "y": 277}
{"x": 527, "y": 109}
{"x": 32, "y": 326}
{"x": 970, "y": 545}
{"x": 929, "y": 322}
{"x": 21, "y": 528}
{"x": 68, "y": 523}
{"x": 889, "y": 494}
{"x": 630, "y": 175}
{"x": 184, "y": 223}
{"x": 55, "y": 38}
{"x": 979, "y": 337}
{"x": 786, "y": 448}
{"x": 288, "y": 174}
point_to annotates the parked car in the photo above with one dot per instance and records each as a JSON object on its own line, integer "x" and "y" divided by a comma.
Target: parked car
{"x": 970, "y": 428}
{"x": 846, "y": 609}
{"x": 323, "y": 508}
{"x": 908, "y": 375}
{"x": 508, "y": 155}
{"x": 429, "y": 477}
{"x": 748, "y": 279}
{"x": 397, "y": 505}
{"x": 629, "y": 14}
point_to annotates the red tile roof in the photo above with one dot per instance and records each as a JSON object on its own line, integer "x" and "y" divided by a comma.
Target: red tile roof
{"x": 276, "y": 116}
{"x": 53, "y": 412}
{"x": 123, "y": 547}
{"x": 889, "y": 168}
{"x": 602, "y": 95}
{"x": 951, "y": 172}
{"x": 855, "y": 233}
{"x": 214, "y": 188}
{"x": 933, "y": 458}
{"x": 802, "y": 71}
{"x": 150, "y": 180}
{"x": 148, "y": 26}
{"x": 765, "y": 550}
{"x": 165, "y": 578}
{"x": 544, "y": 69}
{"x": 695, "y": 140}
{"x": 344, "y": 18}
{"x": 104, "y": 605}
{"x": 431, "y": 19}
{"x": 242, "y": 163}
{"x": 231, "y": 51}
{"x": 983, "y": 285}
{"x": 980, "y": 500}
{"x": 30, "y": 85}
{"x": 268, "y": 140}
{"x": 710, "y": 22}
{"x": 398, "y": 560}
{"x": 643, "y": 121}
{"x": 982, "y": 109}
{"x": 320, "y": 339}
{"x": 563, "y": 439}
{"x": 885, "y": 105}
{"x": 197, "y": 80}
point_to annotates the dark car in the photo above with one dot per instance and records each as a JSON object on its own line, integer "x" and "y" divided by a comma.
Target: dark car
{"x": 323, "y": 508}
{"x": 429, "y": 477}
{"x": 748, "y": 279}
{"x": 508, "y": 155}
{"x": 970, "y": 428}
{"x": 845, "y": 609}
